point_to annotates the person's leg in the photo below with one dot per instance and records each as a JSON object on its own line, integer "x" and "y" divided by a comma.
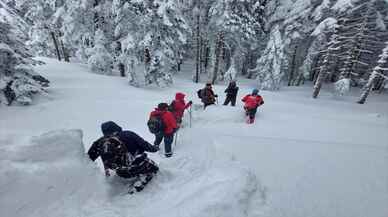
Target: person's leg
{"x": 234, "y": 100}
{"x": 126, "y": 173}
{"x": 168, "y": 139}
{"x": 227, "y": 100}
{"x": 252, "y": 114}
{"x": 158, "y": 139}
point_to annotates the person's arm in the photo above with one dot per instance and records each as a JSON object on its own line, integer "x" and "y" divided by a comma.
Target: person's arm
{"x": 141, "y": 142}
{"x": 212, "y": 92}
{"x": 94, "y": 151}
{"x": 234, "y": 91}
{"x": 244, "y": 98}
{"x": 188, "y": 104}
{"x": 261, "y": 100}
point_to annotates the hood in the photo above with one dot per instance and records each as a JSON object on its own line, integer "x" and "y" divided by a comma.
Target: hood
{"x": 110, "y": 127}
{"x": 180, "y": 96}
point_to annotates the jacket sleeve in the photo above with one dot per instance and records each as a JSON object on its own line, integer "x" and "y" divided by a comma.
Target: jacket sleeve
{"x": 141, "y": 142}
{"x": 94, "y": 151}
{"x": 245, "y": 98}
{"x": 187, "y": 105}
{"x": 261, "y": 100}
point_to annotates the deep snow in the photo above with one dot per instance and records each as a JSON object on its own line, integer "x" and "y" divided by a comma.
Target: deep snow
{"x": 303, "y": 157}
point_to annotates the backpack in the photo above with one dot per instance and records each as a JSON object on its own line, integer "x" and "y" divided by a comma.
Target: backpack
{"x": 199, "y": 93}
{"x": 114, "y": 152}
{"x": 155, "y": 124}
{"x": 171, "y": 107}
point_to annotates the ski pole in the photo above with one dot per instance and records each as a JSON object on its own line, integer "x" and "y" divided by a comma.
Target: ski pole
{"x": 190, "y": 116}
{"x": 176, "y": 138}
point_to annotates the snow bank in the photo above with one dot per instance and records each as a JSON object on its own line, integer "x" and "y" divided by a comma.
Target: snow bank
{"x": 47, "y": 176}
{"x": 52, "y": 177}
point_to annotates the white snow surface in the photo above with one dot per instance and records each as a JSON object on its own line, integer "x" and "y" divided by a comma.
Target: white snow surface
{"x": 303, "y": 157}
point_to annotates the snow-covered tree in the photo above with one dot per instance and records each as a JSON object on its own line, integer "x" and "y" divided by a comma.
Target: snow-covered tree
{"x": 381, "y": 70}
{"x": 18, "y": 82}
{"x": 100, "y": 60}
{"x": 269, "y": 70}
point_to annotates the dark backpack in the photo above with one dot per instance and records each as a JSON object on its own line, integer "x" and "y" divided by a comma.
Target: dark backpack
{"x": 199, "y": 93}
{"x": 155, "y": 124}
{"x": 171, "y": 107}
{"x": 114, "y": 152}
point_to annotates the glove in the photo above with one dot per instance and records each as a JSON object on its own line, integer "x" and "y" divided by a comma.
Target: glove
{"x": 216, "y": 95}
{"x": 190, "y": 102}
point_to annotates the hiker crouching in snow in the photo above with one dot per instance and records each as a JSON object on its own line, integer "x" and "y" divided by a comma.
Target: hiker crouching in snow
{"x": 124, "y": 153}
{"x": 251, "y": 102}
{"x": 207, "y": 95}
{"x": 163, "y": 125}
{"x": 231, "y": 93}
{"x": 178, "y": 107}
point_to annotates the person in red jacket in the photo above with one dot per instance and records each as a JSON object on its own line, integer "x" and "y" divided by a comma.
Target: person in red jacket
{"x": 169, "y": 128}
{"x": 251, "y": 102}
{"x": 178, "y": 107}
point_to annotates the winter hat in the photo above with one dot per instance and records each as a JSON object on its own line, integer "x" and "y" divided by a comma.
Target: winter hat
{"x": 179, "y": 96}
{"x": 255, "y": 91}
{"x": 162, "y": 106}
{"x": 110, "y": 127}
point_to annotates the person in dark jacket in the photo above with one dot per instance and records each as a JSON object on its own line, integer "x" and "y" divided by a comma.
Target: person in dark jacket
{"x": 124, "y": 153}
{"x": 170, "y": 127}
{"x": 207, "y": 95}
{"x": 231, "y": 93}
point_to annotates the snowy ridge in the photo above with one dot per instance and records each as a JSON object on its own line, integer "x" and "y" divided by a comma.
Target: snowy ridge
{"x": 55, "y": 169}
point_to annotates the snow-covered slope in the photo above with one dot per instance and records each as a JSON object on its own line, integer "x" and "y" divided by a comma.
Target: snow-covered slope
{"x": 51, "y": 176}
{"x": 301, "y": 158}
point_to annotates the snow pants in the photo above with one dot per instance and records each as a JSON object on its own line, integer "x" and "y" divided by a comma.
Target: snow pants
{"x": 146, "y": 167}
{"x": 168, "y": 139}
{"x": 251, "y": 113}
{"x": 230, "y": 99}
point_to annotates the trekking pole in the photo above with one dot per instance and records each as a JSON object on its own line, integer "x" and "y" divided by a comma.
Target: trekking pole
{"x": 190, "y": 117}
{"x": 176, "y": 138}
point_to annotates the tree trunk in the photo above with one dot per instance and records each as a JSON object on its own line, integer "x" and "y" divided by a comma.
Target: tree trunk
{"x": 318, "y": 84}
{"x": 217, "y": 54}
{"x": 64, "y": 51}
{"x": 121, "y": 69}
{"x": 322, "y": 74}
{"x": 207, "y": 56}
{"x": 197, "y": 62}
{"x": 291, "y": 78}
{"x": 367, "y": 88}
{"x": 56, "y": 45}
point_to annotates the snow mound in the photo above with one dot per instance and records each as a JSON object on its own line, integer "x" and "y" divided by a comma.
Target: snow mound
{"x": 51, "y": 176}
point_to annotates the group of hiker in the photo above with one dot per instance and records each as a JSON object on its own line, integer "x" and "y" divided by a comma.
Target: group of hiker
{"x": 124, "y": 152}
